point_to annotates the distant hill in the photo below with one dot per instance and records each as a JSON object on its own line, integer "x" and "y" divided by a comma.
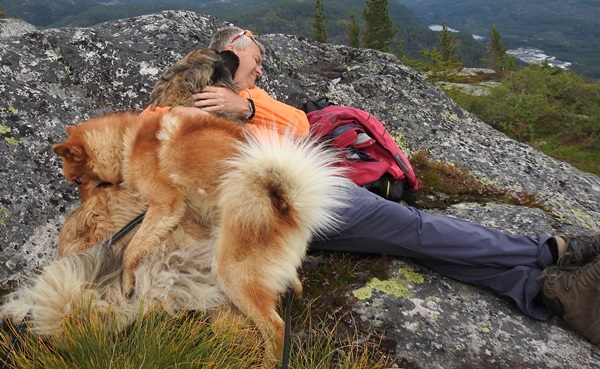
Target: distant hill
{"x": 279, "y": 16}
{"x": 567, "y": 29}
{"x": 41, "y": 13}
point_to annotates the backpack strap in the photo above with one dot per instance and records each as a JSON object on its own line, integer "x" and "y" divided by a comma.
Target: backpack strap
{"x": 318, "y": 104}
{"x": 344, "y": 136}
{"x": 402, "y": 164}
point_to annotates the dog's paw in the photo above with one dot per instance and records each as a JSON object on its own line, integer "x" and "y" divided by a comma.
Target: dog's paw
{"x": 128, "y": 286}
{"x": 129, "y": 294}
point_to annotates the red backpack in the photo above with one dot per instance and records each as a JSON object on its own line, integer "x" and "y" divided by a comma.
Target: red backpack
{"x": 373, "y": 157}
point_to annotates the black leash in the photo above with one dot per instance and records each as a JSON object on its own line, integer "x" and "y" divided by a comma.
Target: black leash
{"x": 128, "y": 227}
{"x": 15, "y": 343}
{"x": 22, "y": 327}
{"x": 288, "y": 329}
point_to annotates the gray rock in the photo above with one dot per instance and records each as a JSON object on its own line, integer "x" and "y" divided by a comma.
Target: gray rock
{"x": 440, "y": 323}
{"x": 11, "y": 27}
{"x": 56, "y": 77}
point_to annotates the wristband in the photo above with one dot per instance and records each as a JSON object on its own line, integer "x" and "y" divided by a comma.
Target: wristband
{"x": 252, "y": 110}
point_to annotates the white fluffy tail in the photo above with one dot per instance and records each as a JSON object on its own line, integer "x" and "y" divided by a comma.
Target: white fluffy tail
{"x": 276, "y": 194}
{"x": 45, "y": 300}
{"x": 293, "y": 176}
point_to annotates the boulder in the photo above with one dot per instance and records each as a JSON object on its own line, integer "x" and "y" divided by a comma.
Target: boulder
{"x": 57, "y": 77}
{"x": 12, "y": 27}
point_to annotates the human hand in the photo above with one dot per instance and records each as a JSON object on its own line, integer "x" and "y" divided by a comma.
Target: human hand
{"x": 220, "y": 99}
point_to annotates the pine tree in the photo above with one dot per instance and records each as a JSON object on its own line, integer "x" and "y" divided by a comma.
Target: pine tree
{"x": 2, "y": 15}
{"x": 319, "y": 23}
{"x": 353, "y": 31}
{"x": 448, "y": 44}
{"x": 379, "y": 29}
{"x": 498, "y": 59}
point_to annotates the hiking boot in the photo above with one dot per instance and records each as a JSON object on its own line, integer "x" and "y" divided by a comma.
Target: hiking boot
{"x": 579, "y": 250}
{"x": 573, "y": 294}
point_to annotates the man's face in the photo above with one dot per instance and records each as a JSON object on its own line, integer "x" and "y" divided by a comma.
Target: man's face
{"x": 249, "y": 68}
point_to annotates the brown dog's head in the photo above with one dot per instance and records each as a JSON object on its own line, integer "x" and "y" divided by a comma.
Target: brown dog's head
{"x": 225, "y": 69}
{"x": 200, "y": 68}
{"x": 92, "y": 153}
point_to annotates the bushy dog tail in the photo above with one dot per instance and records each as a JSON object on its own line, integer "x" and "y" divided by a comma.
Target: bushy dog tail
{"x": 280, "y": 191}
{"x": 46, "y": 299}
{"x": 296, "y": 178}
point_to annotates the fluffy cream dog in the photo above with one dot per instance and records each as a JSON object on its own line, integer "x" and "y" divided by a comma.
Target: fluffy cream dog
{"x": 86, "y": 278}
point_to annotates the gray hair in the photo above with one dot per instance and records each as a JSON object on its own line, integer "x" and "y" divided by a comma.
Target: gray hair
{"x": 222, "y": 38}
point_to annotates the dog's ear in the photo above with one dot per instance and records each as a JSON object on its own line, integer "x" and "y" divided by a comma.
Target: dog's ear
{"x": 69, "y": 152}
{"x": 224, "y": 70}
{"x": 71, "y": 130}
{"x": 230, "y": 60}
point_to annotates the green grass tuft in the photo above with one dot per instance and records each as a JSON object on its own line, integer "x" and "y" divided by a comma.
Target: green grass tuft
{"x": 155, "y": 340}
{"x": 185, "y": 340}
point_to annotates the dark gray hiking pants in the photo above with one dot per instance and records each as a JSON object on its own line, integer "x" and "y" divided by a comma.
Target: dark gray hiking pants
{"x": 458, "y": 249}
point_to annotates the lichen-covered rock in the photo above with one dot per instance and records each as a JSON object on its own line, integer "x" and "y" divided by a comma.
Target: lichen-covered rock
{"x": 56, "y": 77}
{"x": 11, "y": 27}
{"x": 439, "y": 323}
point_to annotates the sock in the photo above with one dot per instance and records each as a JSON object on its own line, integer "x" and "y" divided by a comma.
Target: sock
{"x": 557, "y": 246}
{"x": 561, "y": 245}
{"x": 553, "y": 249}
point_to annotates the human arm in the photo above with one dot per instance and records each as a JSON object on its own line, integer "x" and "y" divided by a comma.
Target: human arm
{"x": 179, "y": 110}
{"x": 268, "y": 111}
{"x": 220, "y": 99}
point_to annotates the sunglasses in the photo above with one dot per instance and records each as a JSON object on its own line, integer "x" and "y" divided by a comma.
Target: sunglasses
{"x": 243, "y": 33}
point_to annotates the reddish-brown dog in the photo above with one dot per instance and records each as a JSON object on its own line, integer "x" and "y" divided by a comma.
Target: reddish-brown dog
{"x": 264, "y": 195}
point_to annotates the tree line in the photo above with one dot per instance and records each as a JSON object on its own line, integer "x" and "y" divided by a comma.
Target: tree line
{"x": 278, "y": 16}
{"x": 379, "y": 33}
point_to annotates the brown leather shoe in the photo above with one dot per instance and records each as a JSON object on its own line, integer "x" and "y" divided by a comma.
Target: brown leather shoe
{"x": 580, "y": 250}
{"x": 573, "y": 294}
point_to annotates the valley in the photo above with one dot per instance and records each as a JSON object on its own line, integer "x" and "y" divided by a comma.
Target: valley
{"x": 569, "y": 30}
{"x": 525, "y": 54}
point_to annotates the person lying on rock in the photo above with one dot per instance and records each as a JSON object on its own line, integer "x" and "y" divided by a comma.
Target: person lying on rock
{"x": 545, "y": 275}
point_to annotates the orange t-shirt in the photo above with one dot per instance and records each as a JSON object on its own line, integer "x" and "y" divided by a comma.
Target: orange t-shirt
{"x": 269, "y": 113}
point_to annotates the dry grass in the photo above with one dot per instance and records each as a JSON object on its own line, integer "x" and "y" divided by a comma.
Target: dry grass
{"x": 443, "y": 185}
{"x": 185, "y": 340}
